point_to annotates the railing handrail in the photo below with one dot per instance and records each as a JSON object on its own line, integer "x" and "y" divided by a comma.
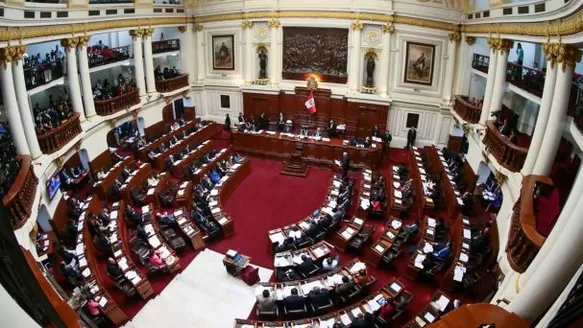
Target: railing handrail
{"x": 463, "y": 99}
{"x": 125, "y": 94}
{"x": 172, "y": 79}
{"x": 503, "y": 138}
{"x": 527, "y": 216}
{"x": 63, "y": 126}
{"x": 25, "y": 163}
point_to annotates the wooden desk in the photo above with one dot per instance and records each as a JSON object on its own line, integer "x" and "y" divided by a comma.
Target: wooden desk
{"x": 378, "y": 249}
{"x": 313, "y": 151}
{"x": 199, "y": 136}
{"x": 135, "y": 180}
{"x": 451, "y": 197}
{"x": 177, "y": 169}
{"x": 472, "y": 315}
{"x": 152, "y": 193}
{"x": 433, "y": 310}
{"x": 234, "y": 268}
{"x": 316, "y": 252}
{"x": 189, "y": 229}
{"x": 102, "y": 187}
{"x": 142, "y": 153}
{"x": 157, "y": 242}
{"x": 342, "y": 237}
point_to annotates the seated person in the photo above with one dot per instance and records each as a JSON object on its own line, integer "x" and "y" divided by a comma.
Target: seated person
{"x": 319, "y": 133}
{"x": 113, "y": 269}
{"x": 156, "y": 261}
{"x": 330, "y": 264}
{"x": 319, "y": 297}
{"x": 266, "y": 300}
{"x": 101, "y": 175}
{"x": 288, "y": 244}
{"x": 387, "y": 309}
{"x": 362, "y": 278}
{"x": 363, "y": 321}
{"x": 102, "y": 243}
{"x": 93, "y": 307}
{"x": 412, "y": 228}
{"x": 134, "y": 216}
{"x": 367, "y": 142}
{"x": 214, "y": 176}
{"x": 69, "y": 271}
{"x": 166, "y": 220}
{"x": 442, "y": 252}
{"x": 346, "y": 287}
{"x": 294, "y": 301}
{"x": 306, "y": 266}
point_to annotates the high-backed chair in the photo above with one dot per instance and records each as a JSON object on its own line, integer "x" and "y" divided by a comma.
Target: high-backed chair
{"x": 269, "y": 314}
{"x": 403, "y": 299}
{"x": 139, "y": 248}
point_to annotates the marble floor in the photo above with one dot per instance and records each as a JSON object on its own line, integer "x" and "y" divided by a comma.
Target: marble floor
{"x": 203, "y": 295}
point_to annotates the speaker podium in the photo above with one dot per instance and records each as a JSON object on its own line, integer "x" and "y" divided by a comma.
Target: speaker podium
{"x": 296, "y": 166}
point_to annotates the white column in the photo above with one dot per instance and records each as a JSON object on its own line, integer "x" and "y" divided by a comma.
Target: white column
{"x": 200, "y": 54}
{"x": 85, "y": 77}
{"x": 249, "y": 73}
{"x": 149, "y": 61}
{"x": 543, "y": 112}
{"x": 489, "y": 84}
{"x": 10, "y": 103}
{"x": 558, "y": 115}
{"x": 464, "y": 72}
{"x": 272, "y": 59}
{"x": 500, "y": 79}
{"x": 545, "y": 253}
{"x": 24, "y": 104}
{"x": 138, "y": 61}
{"x": 450, "y": 65}
{"x": 355, "y": 58}
{"x": 187, "y": 51}
{"x": 70, "y": 46}
{"x": 384, "y": 65}
{"x": 554, "y": 273}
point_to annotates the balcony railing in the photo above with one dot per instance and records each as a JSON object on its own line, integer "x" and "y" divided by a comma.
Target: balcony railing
{"x": 20, "y": 197}
{"x": 35, "y": 76}
{"x": 110, "y": 106}
{"x": 481, "y": 63}
{"x": 165, "y": 46}
{"x": 524, "y": 241}
{"x": 175, "y": 83}
{"x": 576, "y": 103}
{"x": 466, "y": 110}
{"x": 98, "y": 56}
{"x": 506, "y": 153}
{"x": 529, "y": 79}
{"x": 57, "y": 138}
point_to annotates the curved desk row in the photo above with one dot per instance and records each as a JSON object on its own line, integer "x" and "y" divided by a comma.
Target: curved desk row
{"x": 156, "y": 241}
{"x": 378, "y": 249}
{"x": 316, "y": 252}
{"x": 417, "y": 172}
{"x": 276, "y": 145}
{"x": 102, "y": 187}
{"x": 143, "y": 172}
{"x": 142, "y": 153}
{"x": 451, "y": 196}
{"x": 177, "y": 169}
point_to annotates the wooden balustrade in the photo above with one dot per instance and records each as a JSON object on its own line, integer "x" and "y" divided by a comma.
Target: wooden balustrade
{"x": 57, "y": 138}
{"x": 524, "y": 241}
{"x": 165, "y": 46}
{"x": 110, "y": 106}
{"x": 529, "y": 79}
{"x": 506, "y": 153}
{"x": 175, "y": 83}
{"x": 481, "y": 62}
{"x": 21, "y": 195}
{"x": 467, "y": 111}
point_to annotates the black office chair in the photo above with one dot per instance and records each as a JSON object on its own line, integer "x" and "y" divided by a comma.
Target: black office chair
{"x": 362, "y": 238}
{"x": 140, "y": 249}
{"x": 322, "y": 308}
{"x": 295, "y": 312}
{"x": 268, "y": 315}
{"x": 403, "y": 299}
{"x": 313, "y": 271}
{"x": 345, "y": 299}
{"x": 390, "y": 255}
{"x": 305, "y": 243}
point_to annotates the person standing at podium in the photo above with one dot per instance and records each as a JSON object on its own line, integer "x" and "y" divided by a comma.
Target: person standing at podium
{"x": 332, "y": 129}
{"x": 227, "y": 123}
{"x": 280, "y": 122}
{"x": 345, "y": 164}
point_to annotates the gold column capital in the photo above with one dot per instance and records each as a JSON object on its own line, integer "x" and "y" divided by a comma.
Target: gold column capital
{"x": 198, "y": 27}
{"x": 147, "y": 32}
{"x": 247, "y": 24}
{"x": 181, "y": 29}
{"x": 83, "y": 40}
{"x": 454, "y": 36}
{"x": 7, "y": 54}
{"x": 357, "y": 26}
{"x": 470, "y": 40}
{"x": 499, "y": 44}
{"x": 70, "y": 43}
{"x": 274, "y": 23}
{"x": 389, "y": 28}
{"x": 567, "y": 55}
{"x": 136, "y": 33}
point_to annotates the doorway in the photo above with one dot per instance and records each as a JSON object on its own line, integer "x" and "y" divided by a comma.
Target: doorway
{"x": 178, "y": 107}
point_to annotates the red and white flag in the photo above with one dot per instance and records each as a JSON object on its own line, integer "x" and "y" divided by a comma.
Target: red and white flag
{"x": 311, "y": 103}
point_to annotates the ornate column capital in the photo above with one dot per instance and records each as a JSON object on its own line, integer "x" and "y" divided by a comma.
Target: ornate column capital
{"x": 274, "y": 23}
{"x": 70, "y": 43}
{"x": 499, "y": 44}
{"x": 147, "y": 32}
{"x": 567, "y": 55}
{"x": 7, "y": 55}
{"x": 454, "y": 36}
{"x": 389, "y": 28}
{"x": 136, "y": 33}
{"x": 181, "y": 29}
{"x": 83, "y": 40}
{"x": 357, "y": 26}
{"x": 197, "y": 27}
{"x": 247, "y": 24}
{"x": 470, "y": 40}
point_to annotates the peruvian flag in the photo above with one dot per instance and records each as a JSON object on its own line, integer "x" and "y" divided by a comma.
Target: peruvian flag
{"x": 311, "y": 103}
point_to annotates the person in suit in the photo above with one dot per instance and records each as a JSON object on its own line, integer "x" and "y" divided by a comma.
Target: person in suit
{"x": 361, "y": 278}
{"x": 113, "y": 269}
{"x": 306, "y": 266}
{"x": 367, "y": 142}
{"x": 319, "y": 297}
{"x": 166, "y": 220}
{"x": 330, "y": 264}
{"x": 134, "y": 216}
{"x": 319, "y": 133}
{"x": 241, "y": 119}
{"x": 411, "y": 136}
{"x": 294, "y": 301}
{"x": 444, "y": 252}
{"x": 375, "y": 132}
{"x": 345, "y": 164}
{"x": 266, "y": 300}
{"x": 263, "y": 122}
{"x": 387, "y": 138}
{"x": 287, "y": 245}
{"x": 506, "y": 128}
{"x": 363, "y": 321}
{"x": 227, "y": 123}
{"x": 346, "y": 287}
{"x": 332, "y": 129}
{"x": 280, "y": 122}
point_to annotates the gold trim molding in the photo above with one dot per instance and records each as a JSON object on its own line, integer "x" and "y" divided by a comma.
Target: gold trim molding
{"x": 470, "y": 40}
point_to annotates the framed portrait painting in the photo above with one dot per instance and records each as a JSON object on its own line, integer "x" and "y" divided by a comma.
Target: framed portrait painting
{"x": 419, "y": 58}
{"x": 223, "y": 52}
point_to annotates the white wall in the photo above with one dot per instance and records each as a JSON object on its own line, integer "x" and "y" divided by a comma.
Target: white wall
{"x": 43, "y": 48}
{"x": 169, "y": 33}
{"x": 434, "y": 127}
{"x": 481, "y": 47}
{"x": 168, "y": 61}
{"x": 12, "y": 314}
{"x": 529, "y": 50}
{"x": 477, "y": 86}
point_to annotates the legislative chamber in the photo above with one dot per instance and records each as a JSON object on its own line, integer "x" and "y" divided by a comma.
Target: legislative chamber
{"x": 255, "y": 164}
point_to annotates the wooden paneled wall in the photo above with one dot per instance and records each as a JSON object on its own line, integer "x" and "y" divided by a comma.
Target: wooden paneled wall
{"x": 167, "y": 114}
{"x": 156, "y": 130}
{"x": 189, "y": 113}
{"x": 359, "y": 118}
{"x": 101, "y": 161}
